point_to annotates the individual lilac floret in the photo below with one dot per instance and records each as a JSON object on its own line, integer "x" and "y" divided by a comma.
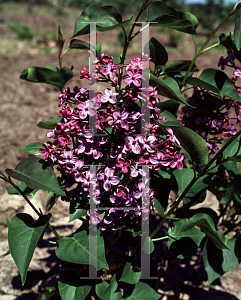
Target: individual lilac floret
{"x": 109, "y": 96}
{"x": 133, "y": 77}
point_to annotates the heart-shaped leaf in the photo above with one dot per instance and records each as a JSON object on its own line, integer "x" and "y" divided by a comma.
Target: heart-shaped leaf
{"x": 72, "y": 287}
{"x": 23, "y": 236}
{"x": 37, "y": 174}
{"x": 220, "y": 80}
{"x": 158, "y": 53}
{"x": 32, "y": 148}
{"x": 130, "y": 275}
{"x": 48, "y": 74}
{"x": 218, "y": 262}
{"x": 161, "y": 14}
{"x": 51, "y": 124}
{"x": 105, "y": 17}
{"x": 76, "y": 249}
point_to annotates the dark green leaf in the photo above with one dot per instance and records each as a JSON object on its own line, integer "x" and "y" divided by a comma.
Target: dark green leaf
{"x": 37, "y": 174}
{"x": 169, "y": 105}
{"x": 206, "y": 223}
{"x": 184, "y": 238}
{"x": 81, "y": 45}
{"x": 221, "y": 81}
{"x": 51, "y": 124}
{"x": 23, "y": 236}
{"x": 171, "y": 119}
{"x": 228, "y": 42}
{"x": 143, "y": 291}
{"x": 179, "y": 65}
{"x": 60, "y": 40}
{"x": 32, "y": 148}
{"x": 237, "y": 28}
{"x": 167, "y": 16}
{"x": 109, "y": 292}
{"x": 24, "y": 188}
{"x": 117, "y": 59}
{"x": 218, "y": 262}
{"x": 100, "y": 288}
{"x": 193, "y": 143}
{"x": 130, "y": 275}
{"x": 168, "y": 88}
{"x": 106, "y": 17}
{"x": 197, "y": 82}
{"x": 72, "y": 287}
{"x": 76, "y": 249}
{"x": 158, "y": 53}
{"x": 234, "y": 149}
{"x": 197, "y": 193}
{"x": 76, "y": 210}
{"x": 48, "y": 74}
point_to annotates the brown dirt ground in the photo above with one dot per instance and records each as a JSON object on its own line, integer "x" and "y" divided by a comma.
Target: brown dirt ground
{"x": 23, "y": 105}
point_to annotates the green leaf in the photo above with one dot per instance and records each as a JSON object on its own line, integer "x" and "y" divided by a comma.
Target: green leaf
{"x": 158, "y": 53}
{"x": 197, "y": 82}
{"x": 169, "y": 105}
{"x": 117, "y": 59}
{"x": 109, "y": 292}
{"x": 168, "y": 88}
{"x": 37, "y": 174}
{"x": 81, "y": 45}
{"x": 171, "y": 119}
{"x": 24, "y": 188}
{"x": 130, "y": 275}
{"x": 218, "y": 262}
{"x": 72, "y": 287}
{"x": 100, "y": 288}
{"x": 48, "y": 74}
{"x": 23, "y": 236}
{"x": 221, "y": 81}
{"x": 228, "y": 42}
{"x": 179, "y": 65}
{"x": 167, "y": 16}
{"x": 143, "y": 291}
{"x": 237, "y": 27}
{"x": 51, "y": 124}
{"x": 206, "y": 223}
{"x": 76, "y": 249}
{"x": 32, "y": 148}
{"x": 197, "y": 193}
{"x": 108, "y": 18}
{"x": 234, "y": 149}
{"x": 184, "y": 238}
{"x": 77, "y": 210}
{"x": 60, "y": 40}
{"x": 193, "y": 143}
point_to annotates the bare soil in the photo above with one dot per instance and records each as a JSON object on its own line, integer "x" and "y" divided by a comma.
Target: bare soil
{"x": 23, "y": 105}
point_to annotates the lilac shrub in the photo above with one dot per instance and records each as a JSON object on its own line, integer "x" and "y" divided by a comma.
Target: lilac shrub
{"x": 139, "y": 147}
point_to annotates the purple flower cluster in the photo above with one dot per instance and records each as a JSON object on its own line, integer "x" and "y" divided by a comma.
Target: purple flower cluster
{"x": 118, "y": 150}
{"x": 214, "y": 124}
